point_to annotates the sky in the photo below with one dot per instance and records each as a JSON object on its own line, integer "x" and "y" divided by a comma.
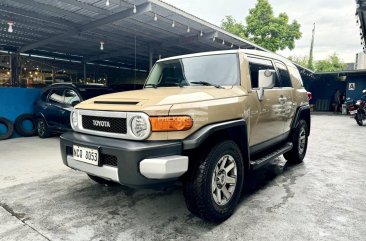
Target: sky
{"x": 336, "y": 27}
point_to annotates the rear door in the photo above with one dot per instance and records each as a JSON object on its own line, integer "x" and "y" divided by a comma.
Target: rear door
{"x": 266, "y": 121}
{"x": 288, "y": 101}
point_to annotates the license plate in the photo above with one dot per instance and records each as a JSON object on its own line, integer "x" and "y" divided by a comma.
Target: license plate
{"x": 353, "y": 112}
{"x": 87, "y": 155}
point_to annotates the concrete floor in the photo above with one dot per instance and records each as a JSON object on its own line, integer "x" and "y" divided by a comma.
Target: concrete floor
{"x": 322, "y": 199}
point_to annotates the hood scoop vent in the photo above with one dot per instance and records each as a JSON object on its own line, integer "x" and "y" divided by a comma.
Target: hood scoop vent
{"x": 116, "y": 102}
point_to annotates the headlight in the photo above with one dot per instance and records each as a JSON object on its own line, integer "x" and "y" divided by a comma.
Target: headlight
{"x": 140, "y": 126}
{"x": 74, "y": 119}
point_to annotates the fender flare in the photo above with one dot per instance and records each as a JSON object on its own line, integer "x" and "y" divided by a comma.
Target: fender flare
{"x": 303, "y": 112}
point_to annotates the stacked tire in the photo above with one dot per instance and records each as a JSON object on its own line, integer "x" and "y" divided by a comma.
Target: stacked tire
{"x": 9, "y": 128}
{"x": 18, "y": 126}
{"x": 21, "y": 129}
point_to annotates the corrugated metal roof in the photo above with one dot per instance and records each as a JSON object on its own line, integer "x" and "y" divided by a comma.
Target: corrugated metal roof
{"x": 80, "y": 26}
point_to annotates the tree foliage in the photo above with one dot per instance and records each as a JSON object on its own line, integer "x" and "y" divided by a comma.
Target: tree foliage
{"x": 265, "y": 29}
{"x": 332, "y": 64}
{"x": 301, "y": 60}
{"x": 232, "y": 26}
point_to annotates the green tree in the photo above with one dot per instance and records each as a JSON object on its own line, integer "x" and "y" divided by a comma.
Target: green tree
{"x": 332, "y": 64}
{"x": 301, "y": 60}
{"x": 232, "y": 26}
{"x": 264, "y": 29}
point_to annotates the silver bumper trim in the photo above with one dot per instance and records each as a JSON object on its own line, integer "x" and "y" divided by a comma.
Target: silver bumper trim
{"x": 164, "y": 167}
{"x": 106, "y": 172}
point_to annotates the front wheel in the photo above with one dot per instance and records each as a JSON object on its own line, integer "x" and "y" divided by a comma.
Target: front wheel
{"x": 42, "y": 128}
{"x": 299, "y": 139}
{"x": 212, "y": 189}
{"x": 359, "y": 118}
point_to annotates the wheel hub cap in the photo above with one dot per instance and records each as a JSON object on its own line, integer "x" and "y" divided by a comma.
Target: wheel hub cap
{"x": 224, "y": 180}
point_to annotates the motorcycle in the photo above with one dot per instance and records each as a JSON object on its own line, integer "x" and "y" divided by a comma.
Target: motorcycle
{"x": 357, "y": 109}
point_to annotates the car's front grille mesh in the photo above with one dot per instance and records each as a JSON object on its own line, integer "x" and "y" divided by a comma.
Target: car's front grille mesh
{"x": 105, "y": 159}
{"x": 105, "y": 124}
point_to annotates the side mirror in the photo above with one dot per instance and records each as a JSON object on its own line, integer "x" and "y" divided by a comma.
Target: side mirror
{"x": 266, "y": 80}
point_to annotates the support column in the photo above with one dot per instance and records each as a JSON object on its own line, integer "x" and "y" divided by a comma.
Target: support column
{"x": 15, "y": 69}
{"x": 53, "y": 74}
{"x": 84, "y": 65}
{"x": 151, "y": 54}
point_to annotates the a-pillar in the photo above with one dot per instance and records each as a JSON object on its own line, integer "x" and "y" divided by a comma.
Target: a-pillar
{"x": 151, "y": 55}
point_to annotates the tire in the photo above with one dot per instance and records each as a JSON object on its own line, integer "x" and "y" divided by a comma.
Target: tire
{"x": 18, "y": 125}
{"x": 101, "y": 180}
{"x": 206, "y": 181}
{"x": 9, "y": 128}
{"x": 358, "y": 118}
{"x": 42, "y": 128}
{"x": 299, "y": 139}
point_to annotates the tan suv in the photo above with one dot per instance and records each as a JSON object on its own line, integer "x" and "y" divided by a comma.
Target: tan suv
{"x": 205, "y": 119}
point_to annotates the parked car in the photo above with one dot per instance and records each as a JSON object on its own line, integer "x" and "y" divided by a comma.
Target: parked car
{"x": 52, "y": 109}
{"x": 205, "y": 119}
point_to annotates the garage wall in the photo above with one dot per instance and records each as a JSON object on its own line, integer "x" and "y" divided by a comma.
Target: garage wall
{"x": 360, "y": 84}
{"x": 16, "y": 101}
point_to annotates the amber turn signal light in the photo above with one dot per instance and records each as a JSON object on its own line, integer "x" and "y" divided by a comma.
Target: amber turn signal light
{"x": 171, "y": 123}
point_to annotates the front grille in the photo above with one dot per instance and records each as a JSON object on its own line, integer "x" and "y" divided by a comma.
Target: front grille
{"x": 105, "y": 124}
{"x": 105, "y": 159}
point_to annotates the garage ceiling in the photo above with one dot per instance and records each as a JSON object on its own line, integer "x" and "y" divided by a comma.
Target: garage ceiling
{"x": 74, "y": 29}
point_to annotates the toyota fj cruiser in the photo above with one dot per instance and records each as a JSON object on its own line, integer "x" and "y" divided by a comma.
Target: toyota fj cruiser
{"x": 205, "y": 119}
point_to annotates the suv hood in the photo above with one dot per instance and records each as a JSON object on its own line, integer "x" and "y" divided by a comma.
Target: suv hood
{"x": 140, "y": 99}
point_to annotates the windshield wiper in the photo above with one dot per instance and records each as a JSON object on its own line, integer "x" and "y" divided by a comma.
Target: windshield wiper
{"x": 152, "y": 85}
{"x": 207, "y": 84}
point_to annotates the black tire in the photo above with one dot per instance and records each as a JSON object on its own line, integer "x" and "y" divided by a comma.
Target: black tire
{"x": 358, "y": 118}
{"x": 9, "y": 128}
{"x": 101, "y": 180}
{"x": 299, "y": 139}
{"x": 200, "y": 192}
{"x": 42, "y": 128}
{"x": 18, "y": 125}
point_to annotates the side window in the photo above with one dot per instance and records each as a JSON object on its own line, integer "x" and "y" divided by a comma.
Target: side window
{"x": 56, "y": 96}
{"x": 256, "y": 64}
{"x": 70, "y": 97}
{"x": 284, "y": 75}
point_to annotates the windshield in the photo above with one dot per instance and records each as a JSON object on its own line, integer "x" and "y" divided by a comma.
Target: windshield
{"x": 212, "y": 69}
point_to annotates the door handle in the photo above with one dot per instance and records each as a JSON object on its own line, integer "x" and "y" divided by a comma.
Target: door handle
{"x": 282, "y": 100}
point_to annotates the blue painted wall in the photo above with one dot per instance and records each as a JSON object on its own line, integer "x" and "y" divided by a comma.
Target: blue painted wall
{"x": 323, "y": 89}
{"x": 16, "y": 101}
{"x": 360, "y": 82}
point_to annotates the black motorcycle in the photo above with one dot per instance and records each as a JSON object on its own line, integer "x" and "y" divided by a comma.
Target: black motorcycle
{"x": 357, "y": 109}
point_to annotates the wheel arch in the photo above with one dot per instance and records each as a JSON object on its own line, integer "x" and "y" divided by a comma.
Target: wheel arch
{"x": 302, "y": 113}
{"x": 211, "y": 134}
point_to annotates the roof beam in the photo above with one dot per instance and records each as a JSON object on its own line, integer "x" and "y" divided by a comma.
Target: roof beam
{"x": 36, "y": 16}
{"x": 110, "y": 55}
{"x": 145, "y": 7}
{"x": 87, "y": 6}
{"x": 49, "y": 8}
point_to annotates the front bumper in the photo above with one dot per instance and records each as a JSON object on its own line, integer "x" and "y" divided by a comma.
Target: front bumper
{"x": 131, "y": 163}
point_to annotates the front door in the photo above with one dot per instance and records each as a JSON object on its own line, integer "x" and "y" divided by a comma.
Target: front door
{"x": 267, "y": 120}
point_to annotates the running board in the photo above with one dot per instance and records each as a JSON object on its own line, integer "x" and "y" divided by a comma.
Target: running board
{"x": 255, "y": 164}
